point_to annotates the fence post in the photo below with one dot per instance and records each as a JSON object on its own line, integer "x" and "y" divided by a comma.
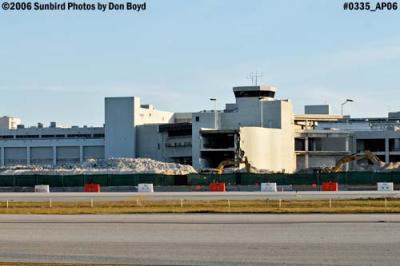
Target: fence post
{"x": 7, "y": 204}
{"x": 385, "y": 203}
{"x": 280, "y": 203}
{"x": 50, "y": 203}
{"x": 91, "y": 203}
{"x": 229, "y": 204}
{"x": 181, "y": 203}
{"x": 330, "y": 203}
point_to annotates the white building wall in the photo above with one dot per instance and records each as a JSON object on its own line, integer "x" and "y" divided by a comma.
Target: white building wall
{"x": 177, "y": 146}
{"x": 119, "y": 126}
{"x": 41, "y": 155}
{"x": 182, "y": 118}
{"x": 148, "y": 142}
{"x": 248, "y": 113}
{"x": 274, "y": 115}
{"x": 48, "y": 151}
{"x": 68, "y": 154}
{"x": 205, "y": 120}
{"x": 122, "y": 116}
{"x": 316, "y": 161}
{"x": 269, "y": 149}
{"x": 7, "y": 122}
{"x": 159, "y": 146}
{"x": 150, "y": 115}
{"x": 93, "y": 152}
{"x": 15, "y": 155}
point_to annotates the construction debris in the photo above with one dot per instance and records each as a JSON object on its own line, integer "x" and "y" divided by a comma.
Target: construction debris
{"x": 103, "y": 166}
{"x": 378, "y": 167}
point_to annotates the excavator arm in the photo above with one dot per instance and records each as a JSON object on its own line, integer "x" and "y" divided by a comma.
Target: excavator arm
{"x": 370, "y": 156}
{"x": 235, "y": 163}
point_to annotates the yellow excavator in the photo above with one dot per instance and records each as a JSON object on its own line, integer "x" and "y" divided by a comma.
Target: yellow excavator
{"x": 370, "y": 156}
{"x": 235, "y": 163}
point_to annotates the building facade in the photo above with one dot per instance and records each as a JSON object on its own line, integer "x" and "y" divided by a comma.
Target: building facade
{"x": 257, "y": 127}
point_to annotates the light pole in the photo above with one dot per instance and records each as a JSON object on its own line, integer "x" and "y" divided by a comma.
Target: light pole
{"x": 261, "y": 112}
{"x": 215, "y": 111}
{"x": 341, "y": 107}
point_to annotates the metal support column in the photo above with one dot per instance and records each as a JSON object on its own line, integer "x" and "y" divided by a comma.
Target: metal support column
{"x": 81, "y": 154}
{"x": 1, "y": 156}
{"x": 386, "y": 150}
{"x": 347, "y": 148}
{"x": 54, "y": 155}
{"x": 306, "y": 152}
{"x": 28, "y": 155}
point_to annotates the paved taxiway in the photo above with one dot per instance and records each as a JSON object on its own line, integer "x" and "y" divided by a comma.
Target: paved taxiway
{"x": 202, "y": 239}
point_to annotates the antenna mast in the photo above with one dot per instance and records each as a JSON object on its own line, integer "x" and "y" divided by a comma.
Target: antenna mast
{"x": 254, "y": 78}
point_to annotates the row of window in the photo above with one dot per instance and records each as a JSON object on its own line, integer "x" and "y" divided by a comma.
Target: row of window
{"x": 374, "y": 145}
{"x": 178, "y": 144}
{"x": 57, "y": 136}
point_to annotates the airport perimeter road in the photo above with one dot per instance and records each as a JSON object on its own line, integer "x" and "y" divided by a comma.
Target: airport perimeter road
{"x": 198, "y": 239}
{"x": 76, "y": 196}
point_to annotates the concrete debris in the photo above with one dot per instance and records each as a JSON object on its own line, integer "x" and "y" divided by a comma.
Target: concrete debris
{"x": 103, "y": 166}
{"x": 253, "y": 170}
{"x": 378, "y": 167}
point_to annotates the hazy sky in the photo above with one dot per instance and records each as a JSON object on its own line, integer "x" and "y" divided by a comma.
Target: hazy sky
{"x": 59, "y": 66}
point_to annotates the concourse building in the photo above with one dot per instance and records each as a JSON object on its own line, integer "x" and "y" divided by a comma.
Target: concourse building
{"x": 257, "y": 126}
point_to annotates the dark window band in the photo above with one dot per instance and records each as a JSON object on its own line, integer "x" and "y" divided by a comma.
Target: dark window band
{"x": 239, "y": 94}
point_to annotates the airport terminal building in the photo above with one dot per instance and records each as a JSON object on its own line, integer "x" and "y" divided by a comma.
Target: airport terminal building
{"x": 258, "y": 127}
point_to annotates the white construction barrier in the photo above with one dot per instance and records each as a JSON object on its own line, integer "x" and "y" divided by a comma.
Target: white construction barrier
{"x": 268, "y": 187}
{"x": 385, "y": 186}
{"x": 42, "y": 188}
{"x": 284, "y": 187}
{"x": 145, "y": 188}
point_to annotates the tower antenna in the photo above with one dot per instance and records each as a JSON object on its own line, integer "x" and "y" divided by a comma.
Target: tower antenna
{"x": 254, "y": 78}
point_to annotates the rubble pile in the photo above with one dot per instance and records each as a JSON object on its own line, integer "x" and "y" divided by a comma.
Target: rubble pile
{"x": 103, "y": 166}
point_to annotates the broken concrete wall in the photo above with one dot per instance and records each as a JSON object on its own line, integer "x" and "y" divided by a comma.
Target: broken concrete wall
{"x": 269, "y": 149}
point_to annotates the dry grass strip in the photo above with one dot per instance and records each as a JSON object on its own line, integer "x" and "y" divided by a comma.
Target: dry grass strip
{"x": 141, "y": 205}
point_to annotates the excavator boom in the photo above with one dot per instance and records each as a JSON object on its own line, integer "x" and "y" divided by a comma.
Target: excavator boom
{"x": 235, "y": 163}
{"x": 370, "y": 156}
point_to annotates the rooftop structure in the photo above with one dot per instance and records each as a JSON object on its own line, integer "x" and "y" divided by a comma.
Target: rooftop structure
{"x": 7, "y": 122}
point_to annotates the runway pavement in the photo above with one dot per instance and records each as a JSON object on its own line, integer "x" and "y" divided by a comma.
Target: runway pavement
{"x": 202, "y": 239}
{"x": 76, "y": 196}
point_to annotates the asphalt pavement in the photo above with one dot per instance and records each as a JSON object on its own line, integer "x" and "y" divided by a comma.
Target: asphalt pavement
{"x": 202, "y": 239}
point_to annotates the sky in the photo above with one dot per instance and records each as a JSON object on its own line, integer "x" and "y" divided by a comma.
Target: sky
{"x": 176, "y": 55}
